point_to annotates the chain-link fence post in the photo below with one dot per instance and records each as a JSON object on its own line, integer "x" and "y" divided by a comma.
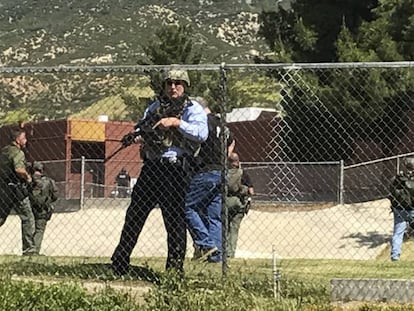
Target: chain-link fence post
{"x": 82, "y": 183}
{"x": 341, "y": 183}
{"x": 224, "y": 154}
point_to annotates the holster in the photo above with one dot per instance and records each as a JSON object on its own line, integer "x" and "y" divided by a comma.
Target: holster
{"x": 20, "y": 190}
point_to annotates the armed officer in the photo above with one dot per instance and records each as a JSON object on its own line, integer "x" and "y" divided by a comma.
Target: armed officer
{"x": 42, "y": 195}
{"x": 402, "y": 205}
{"x": 123, "y": 180}
{"x": 165, "y": 174}
{"x": 14, "y": 183}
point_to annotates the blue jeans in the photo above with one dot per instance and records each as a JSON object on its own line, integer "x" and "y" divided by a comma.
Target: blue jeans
{"x": 401, "y": 218}
{"x": 203, "y": 212}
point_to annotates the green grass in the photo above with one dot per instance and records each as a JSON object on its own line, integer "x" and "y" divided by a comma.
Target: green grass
{"x": 31, "y": 297}
{"x": 307, "y": 269}
{"x": 304, "y": 283}
{"x": 406, "y": 254}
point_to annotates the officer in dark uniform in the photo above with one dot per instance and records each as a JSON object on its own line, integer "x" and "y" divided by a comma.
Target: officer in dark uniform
{"x": 14, "y": 184}
{"x": 164, "y": 176}
{"x": 123, "y": 181}
{"x": 42, "y": 195}
{"x": 402, "y": 205}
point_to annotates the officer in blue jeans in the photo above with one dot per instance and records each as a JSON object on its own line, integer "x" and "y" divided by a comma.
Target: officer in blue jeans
{"x": 402, "y": 205}
{"x": 165, "y": 175}
{"x": 203, "y": 202}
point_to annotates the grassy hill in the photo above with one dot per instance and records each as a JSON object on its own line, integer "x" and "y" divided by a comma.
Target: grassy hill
{"x": 104, "y": 32}
{"x": 44, "y": 32}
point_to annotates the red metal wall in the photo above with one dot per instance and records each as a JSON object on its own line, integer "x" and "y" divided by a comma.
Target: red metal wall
{"x": 258, "y": 140}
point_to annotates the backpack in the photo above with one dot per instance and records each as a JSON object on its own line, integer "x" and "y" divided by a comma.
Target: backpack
{"x": 43, "y": 192}
{"x": 402, "y": 193}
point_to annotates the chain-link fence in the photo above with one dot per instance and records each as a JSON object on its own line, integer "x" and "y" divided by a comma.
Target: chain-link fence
{"x": 320, "y": 142}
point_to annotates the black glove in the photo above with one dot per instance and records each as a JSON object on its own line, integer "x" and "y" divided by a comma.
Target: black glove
{"x": 128, "y": 139}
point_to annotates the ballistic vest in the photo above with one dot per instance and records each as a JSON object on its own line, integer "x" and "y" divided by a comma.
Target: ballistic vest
{"x": 402, "y": 192}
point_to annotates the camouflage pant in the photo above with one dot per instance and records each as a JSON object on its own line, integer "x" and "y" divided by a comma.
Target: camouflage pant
{"x": 24, "y": 211}
{"x": 40, "y": 227}
{"x": 235, "y": 216}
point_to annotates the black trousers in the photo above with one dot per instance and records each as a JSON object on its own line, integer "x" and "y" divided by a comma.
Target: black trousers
{"x": 164, "y": 184}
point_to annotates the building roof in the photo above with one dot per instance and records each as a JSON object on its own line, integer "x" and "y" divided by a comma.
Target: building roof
{"x": 247, "y": 114}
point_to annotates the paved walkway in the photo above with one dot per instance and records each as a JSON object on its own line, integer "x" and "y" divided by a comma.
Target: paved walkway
{"x": 358, "y": 231}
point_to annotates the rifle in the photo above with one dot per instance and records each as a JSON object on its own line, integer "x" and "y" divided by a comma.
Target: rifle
{"x": 145, "y": 127}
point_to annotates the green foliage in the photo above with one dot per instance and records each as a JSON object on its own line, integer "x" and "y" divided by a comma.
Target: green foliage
{"x": 65, "y": 296}
{"x": 235, "y": 293}
{"x": 384, "y": 38}
{"x": 340, "y": 106}
{"x": 14, "y": 116}
{"x": 180, "y": 45}
{"x": 307, "y": 30}
{"x": 174, "y": 45}
{"x": 383, "y": 107}
{"x": 277, "y": 29}
{"x": 253, "y": 89}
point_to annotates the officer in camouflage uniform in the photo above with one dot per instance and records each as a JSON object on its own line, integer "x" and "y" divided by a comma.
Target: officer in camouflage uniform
{"x": 165, "y": 175}
{"x": 14, "y": 183}
{"x": 42, "y": 195}
{"x": 402, "y": 205}
{"x": 238, "y": 201}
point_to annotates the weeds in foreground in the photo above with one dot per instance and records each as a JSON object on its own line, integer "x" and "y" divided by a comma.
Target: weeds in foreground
{"x": 203, "y": 288}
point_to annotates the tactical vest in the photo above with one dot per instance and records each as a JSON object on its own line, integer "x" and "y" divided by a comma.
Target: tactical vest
{"x": 210, "y": 155}
{"x": 123, "y": 180}
{"x": 402, "y": 193}
{"x": 166, "y": 138}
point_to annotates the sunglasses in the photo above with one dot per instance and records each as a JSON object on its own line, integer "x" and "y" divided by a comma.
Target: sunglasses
{"x": 175, "y": 82}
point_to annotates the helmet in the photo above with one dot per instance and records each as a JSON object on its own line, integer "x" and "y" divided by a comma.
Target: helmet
{"x": 37, "y": 166}
{"x": 178, "y": 74}
{"x": 409, "y": 163}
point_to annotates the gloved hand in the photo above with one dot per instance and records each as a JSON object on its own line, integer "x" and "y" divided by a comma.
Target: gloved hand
{"x": 128, "y": 139}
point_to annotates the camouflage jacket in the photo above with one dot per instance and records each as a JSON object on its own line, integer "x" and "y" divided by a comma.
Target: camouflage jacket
{"x": 11, "y": 158}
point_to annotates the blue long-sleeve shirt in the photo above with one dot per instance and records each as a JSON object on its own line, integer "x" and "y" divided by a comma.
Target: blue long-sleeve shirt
{"x": 193, "y": 126}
